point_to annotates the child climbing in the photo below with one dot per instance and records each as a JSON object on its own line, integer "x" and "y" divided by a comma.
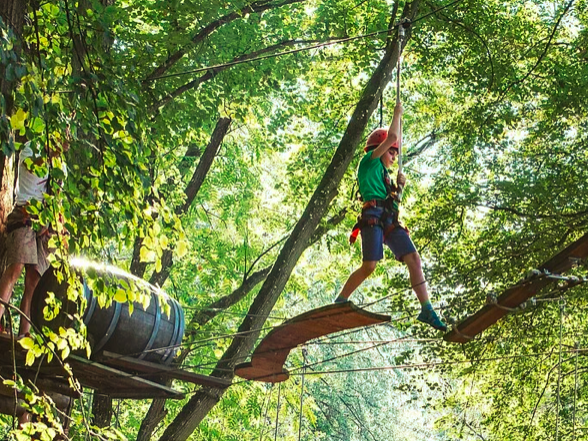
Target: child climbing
{"x": 379, "y": 219}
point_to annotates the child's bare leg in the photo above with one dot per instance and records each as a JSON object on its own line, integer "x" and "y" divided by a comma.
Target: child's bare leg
{"x": 356, "y": 278}
{"x": 417, "y": 278}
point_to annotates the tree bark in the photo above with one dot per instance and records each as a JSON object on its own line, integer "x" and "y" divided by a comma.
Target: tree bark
{"x": 12, "y": 13}
{"x": 101, "y": 410}
{"x": 157, "y": 409}
{"x": 204, "y": 400}
{"x": 155, "y": 414}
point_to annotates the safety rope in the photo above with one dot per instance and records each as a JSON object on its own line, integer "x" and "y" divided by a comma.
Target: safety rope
{"x": 267, "y": 405}
{"x": 347, "y": 354}
{"x": 304, "y": 354}
{"x": 278, "y": 411}
{"x": 429, "y": 365}
{"x": 315, "y": 46}
{"x": 399, "y": 41}
{"x": 561, "y": 316}
{"x": 575, "y": 391}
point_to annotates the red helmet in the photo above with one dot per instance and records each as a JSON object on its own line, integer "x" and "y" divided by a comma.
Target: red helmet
{"x": 376, "y": 138}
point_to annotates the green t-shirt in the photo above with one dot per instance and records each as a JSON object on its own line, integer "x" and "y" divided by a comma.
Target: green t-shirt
{"x": 370, "y": 175}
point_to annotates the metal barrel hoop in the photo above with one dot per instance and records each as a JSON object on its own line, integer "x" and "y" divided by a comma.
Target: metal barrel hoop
{"x": 89, "y": 296}
{"x": 177, "y": 334}
{"x": 111, "y": 327}
{"x": 155, "y": 329}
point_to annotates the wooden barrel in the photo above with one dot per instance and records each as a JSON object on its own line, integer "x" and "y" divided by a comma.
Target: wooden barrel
{"x": 147, "y": 334}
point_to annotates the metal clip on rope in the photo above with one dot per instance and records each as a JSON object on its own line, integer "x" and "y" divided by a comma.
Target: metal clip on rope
{"x": 491, "y": 299}
{"x": 464, "y": 336}
{"x": 532, "y": 274}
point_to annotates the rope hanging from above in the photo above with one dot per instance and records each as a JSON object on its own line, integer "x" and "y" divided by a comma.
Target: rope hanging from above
{"x": 402, "y": 26}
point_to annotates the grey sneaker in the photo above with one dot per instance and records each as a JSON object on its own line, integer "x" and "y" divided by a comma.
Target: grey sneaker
{"x": 430, "y": 317}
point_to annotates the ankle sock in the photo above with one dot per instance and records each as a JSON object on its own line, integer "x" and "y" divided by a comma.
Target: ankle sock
{"x": 426, "y": 305}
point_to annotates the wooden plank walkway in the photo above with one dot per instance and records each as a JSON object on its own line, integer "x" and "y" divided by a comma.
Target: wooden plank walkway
{"x": 516, "y": 295}
{"x": 112, "y": 374}
{"x": 267, "y": 361}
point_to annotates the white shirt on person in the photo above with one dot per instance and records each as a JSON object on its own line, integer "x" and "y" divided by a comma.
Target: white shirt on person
{"x": 29, "y": 185}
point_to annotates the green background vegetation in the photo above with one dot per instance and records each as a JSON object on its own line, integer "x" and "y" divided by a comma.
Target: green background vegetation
{"x": 497, "y": 163}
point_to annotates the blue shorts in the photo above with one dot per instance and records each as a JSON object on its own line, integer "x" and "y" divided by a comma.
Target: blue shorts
{"x": 372, "y": 238}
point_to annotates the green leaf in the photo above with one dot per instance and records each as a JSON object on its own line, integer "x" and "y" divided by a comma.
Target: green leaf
{"x": 27, "y": 343}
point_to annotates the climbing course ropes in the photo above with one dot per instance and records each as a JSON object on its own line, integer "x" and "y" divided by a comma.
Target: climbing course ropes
{"x": 514, "y": 298}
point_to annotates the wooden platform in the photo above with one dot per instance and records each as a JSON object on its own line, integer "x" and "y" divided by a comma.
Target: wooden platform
{"x": 516, "y": 295}
{"x": 113, "y": 375}
{"x": 267, "y": 361}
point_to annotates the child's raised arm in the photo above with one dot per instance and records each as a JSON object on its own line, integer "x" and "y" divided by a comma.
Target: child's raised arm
{"x": 393, "y": 133}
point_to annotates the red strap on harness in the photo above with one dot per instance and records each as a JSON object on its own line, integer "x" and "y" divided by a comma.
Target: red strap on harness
{"x": 354, "y": 234}
{"x": 370, "y": 223}
{"x": 361, "y": 223}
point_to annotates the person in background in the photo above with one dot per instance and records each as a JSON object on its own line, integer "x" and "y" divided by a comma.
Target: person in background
{"x": 27, "y": 247}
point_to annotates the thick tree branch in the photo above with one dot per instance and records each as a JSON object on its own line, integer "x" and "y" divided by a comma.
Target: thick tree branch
{"x": 154, "y": 416}
{"x": 252, "y": 8}
{"x": 421, "y": 146}
{"x": 213, "y": 72}
{"x": 543, "y": 54}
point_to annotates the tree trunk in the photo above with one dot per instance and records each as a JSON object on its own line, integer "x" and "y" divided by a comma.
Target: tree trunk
{"x": 157, "y": 409}
{"x": 204, "y": 400}
{"x": 101, "y": 410}
{"x": 12, "y": 13}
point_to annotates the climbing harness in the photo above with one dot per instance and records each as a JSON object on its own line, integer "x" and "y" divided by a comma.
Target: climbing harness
{"x": 390, "y": 212}
{"x": 382, "y": 221}
{"x": 19, "y": 218}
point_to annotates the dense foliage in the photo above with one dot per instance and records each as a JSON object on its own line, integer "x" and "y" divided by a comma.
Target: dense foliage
{"x": 199, "y": 133}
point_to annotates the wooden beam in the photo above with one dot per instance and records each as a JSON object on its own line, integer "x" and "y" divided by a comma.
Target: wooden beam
{"x": 100, "y": 377}
{"x": 267, "y": 361}
{"x": 516, "y": 295}
{"x": 52, "y": 377}
{"x": 157, "y": 370}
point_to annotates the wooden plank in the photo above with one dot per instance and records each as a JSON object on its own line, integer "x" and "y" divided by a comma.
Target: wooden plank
{"x": 114, "y": 382}
{"x": 267, "y": 361}
{"x": 157, "y": 370}
{"x": 8, "y": 406}
{"x": 514, "y": 296}
{"x": 51, "y": 377}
